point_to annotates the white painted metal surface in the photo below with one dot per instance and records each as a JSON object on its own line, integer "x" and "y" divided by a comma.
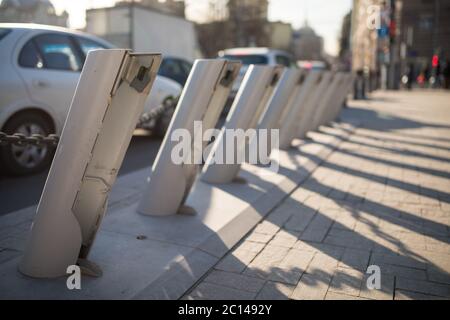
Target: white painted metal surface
{"x": 251, "y": 100}
{"x": 335, "y": 96}
{"x": 306, "y": 107}
{"x": 317, "y": 94}
{"x": 292, "y": 117}
{"x": 107, "y": 103}
{"x": 203, "y": 99}
{"x": 280, "y": 101}
{"x": 325, "y": 101}
{"x": 345, "y": 89}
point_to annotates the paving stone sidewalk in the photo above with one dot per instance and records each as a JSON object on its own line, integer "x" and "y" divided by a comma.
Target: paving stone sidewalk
{"x": 382, "y": 198}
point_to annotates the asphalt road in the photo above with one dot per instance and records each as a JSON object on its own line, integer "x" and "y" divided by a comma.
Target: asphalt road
{"x": 21, "y": 192}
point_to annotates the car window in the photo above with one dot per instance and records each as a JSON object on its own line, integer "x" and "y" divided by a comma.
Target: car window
{"x": 186, "y": 66}
{"x": 283, "y": 60}
{"x": 248, "y": 59}
{"x": 87, "y": 45}
{"x": 58, "y": 52}
{"x": 29, "y": 57}
{"x": 4, "y": 32}
{"x": 162, "y": 67}
{"x": 169, "y": 68}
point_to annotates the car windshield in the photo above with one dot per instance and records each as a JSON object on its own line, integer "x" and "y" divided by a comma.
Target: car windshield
{"x": 284, "y": 61}
{"x": 4, "y": 32}
{"x": 248, "y": 58}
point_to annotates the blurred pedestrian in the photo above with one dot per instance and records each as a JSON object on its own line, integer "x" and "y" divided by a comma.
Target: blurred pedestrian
{"x": 359, "y": 89}
{"x": 421, "y": 79}
{"x": 438, "y": 74}
{"x": 446, "y": 74}
{"x": 411, "y": 75}
{"x": 426, "y": 72}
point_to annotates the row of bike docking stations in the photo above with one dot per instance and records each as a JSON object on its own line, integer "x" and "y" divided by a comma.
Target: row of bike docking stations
{"x": 106, "y": 106}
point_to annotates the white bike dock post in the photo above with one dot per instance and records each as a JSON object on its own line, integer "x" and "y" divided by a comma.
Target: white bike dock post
{"x": 280, "y": 101}
{"x": 325, "y": 101}
{"x": 251, "y": 100}
{"x": 327, "y": 112}
{"x": 271, "y": 86}
{"x": 322, "y": 94}
{"x": 106, "y": 106}
{"x": 203, "y": 99}
{"x": 292, "y": 116}
{"x": 280, "y": 98}
{"x": 313, "y": 79}
{"x": 317, "y": 92}
{"x": 346, "y": 87}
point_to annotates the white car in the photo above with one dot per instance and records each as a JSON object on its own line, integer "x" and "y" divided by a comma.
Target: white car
{"x": 39, "y": 70}
{"x": 255, "y": 55}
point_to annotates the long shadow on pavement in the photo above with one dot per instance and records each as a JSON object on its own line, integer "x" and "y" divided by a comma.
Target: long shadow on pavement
{"x": 336, "y": 246}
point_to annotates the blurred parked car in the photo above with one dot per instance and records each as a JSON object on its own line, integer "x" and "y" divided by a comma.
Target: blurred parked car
{"x": 250, "y": 56}
{"x": 177, "y": 69}
{"x": 39, "y": 70}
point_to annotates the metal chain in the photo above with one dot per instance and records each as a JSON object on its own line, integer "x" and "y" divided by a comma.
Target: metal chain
{"x": 153, "y": 114}
{"x": 52, "y": 140}
{"x": 20, "y": 139}
{"x": 157, "y": 112}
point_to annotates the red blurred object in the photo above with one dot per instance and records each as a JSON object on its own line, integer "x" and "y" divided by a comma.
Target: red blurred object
{"x": 308, "y": 65}
{"x": 392, "y": 28}
{"x": 435, "y": 61}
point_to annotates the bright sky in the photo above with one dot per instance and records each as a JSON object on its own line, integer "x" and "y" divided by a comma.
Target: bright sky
{"x": 325, "y": 16}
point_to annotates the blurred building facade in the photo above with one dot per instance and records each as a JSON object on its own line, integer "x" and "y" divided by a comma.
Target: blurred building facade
{"x": 412, "y": 37}
{"x": 373, "y": 42}
{"x": 31, "y": 11}
{"x": 175, "y": 7}
{"x": 280, "y": 35}
{"x": 141, "y": 28}
{"x": 307, "y": 45}
{"x": 363, "y": 39}
{"x": 424, "y": 33}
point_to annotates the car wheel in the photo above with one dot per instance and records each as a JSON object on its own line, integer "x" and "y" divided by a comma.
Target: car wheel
{"x": 26, "y": 159}
{"x": 164, "y": 120}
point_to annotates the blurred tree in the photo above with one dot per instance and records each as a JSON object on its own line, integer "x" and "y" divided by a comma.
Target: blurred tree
{"x": 234, "y": 23}
{"x": 217, "y": 10}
